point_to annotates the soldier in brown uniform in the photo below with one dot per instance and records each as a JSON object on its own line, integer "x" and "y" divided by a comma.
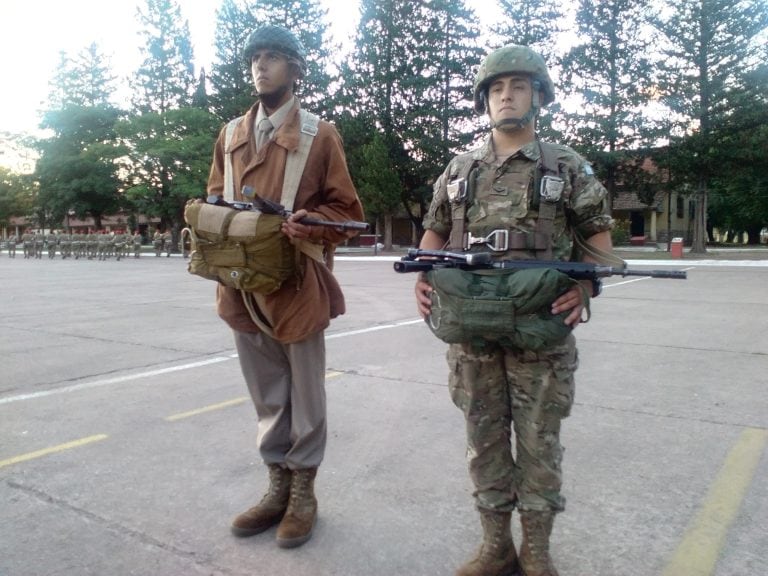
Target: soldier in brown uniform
{"x": 282, "y": 347}
{"x": 520, "y": 199}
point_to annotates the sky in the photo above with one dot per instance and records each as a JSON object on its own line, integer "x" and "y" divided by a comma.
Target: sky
{"x": 33, "y": 32}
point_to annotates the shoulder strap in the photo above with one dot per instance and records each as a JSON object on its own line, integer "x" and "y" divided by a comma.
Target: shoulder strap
{"x": 229, "y": 185}
{"x": 458, "y": 213}
{"x": 549, "y": 163}
{"x": 549, "y": 168}
{"x": 294, "y": 168}
{"x": 295, "y": 163}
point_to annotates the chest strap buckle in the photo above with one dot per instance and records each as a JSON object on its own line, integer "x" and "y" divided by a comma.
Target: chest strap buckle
{"x": 497, "y": 241}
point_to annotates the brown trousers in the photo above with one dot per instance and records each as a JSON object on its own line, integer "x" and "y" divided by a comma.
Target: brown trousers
{"x": 287, "y": 385}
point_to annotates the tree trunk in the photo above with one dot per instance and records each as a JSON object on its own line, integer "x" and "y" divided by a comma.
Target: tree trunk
{"x": 699, "y": 244}
{"x": 388, "y": 232}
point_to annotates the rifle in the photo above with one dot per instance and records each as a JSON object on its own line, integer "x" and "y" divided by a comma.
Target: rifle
{"x": 481, "y": 260}
{"x": 265, "y": 206}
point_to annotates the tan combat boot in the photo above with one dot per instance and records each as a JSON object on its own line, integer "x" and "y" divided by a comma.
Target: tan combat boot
{"x": 272, "y": 507}
{"x": 496, "y": 556}
{"x": 299, "y": 520}
{"x": 534, "y": 551}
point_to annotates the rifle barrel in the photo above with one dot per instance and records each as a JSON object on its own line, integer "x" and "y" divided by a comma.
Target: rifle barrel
{"x": 345, "y": 225}
{"x": 669, "y": 274}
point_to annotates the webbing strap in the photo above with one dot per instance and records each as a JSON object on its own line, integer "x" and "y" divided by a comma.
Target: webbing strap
{"x": 229, "y": 184}
{"x": 295, "y": 163}
{"x": 294, "y": 168}
{"x": 547, "y": 210}
{"x": 457, "y": 238}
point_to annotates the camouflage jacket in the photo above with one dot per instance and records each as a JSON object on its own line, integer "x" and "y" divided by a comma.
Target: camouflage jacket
{"x": 503, "y": 195}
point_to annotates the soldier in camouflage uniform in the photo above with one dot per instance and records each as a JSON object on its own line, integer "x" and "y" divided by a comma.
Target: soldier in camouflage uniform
{"x": 168, "y": 243}
{"x": 136, "y": 244}
{"x": 92, "y": 244}
{"x": 51, "y": 241}
{"x": 77, "y": 244}
{"x": 157, "y": 242}
{"x": 39, "y": 245}
{"x": 28, "y": 244}
{"x": 65, "y": 245}
{"x": 103, "y": 242}
{"x": 119, "y": 242}
{"x": 12, "y": 241}
{"x": 499, "y": 188}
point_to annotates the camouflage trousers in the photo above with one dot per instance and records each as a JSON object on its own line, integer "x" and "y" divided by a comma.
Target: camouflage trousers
{"x": 499, "y": 389}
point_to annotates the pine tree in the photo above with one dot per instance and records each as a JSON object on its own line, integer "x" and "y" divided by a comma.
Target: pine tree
{"x": 709, "y": 47}
{"x": 535, "y": 23}
{"x": 411, "y": 76}
{"x": 611, "y": 75}
{"x": 230, "y": 76}
{"x": 166, "y": 78}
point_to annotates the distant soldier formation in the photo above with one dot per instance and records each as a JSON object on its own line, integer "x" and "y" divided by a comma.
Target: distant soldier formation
{"x": 92, "y": 245}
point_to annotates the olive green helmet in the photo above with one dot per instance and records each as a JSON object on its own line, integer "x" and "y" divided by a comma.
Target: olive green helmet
{"x": 278, "y": 39}
{"x": 508, "y": 60}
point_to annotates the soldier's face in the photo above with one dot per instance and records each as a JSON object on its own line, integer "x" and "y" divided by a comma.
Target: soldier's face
{"x": 273, "y": 74}
{"x": 509, "y": 97}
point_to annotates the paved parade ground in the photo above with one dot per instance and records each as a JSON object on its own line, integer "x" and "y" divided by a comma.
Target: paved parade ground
{"x": 127, "y": 443}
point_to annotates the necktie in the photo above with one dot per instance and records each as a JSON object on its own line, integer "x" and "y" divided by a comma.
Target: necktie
{"x": 262, "y": 134}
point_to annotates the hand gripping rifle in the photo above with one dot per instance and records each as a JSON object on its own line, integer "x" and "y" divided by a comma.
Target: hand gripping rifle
{"x": 479, "y": 260}
{"x": 265, "y": 206}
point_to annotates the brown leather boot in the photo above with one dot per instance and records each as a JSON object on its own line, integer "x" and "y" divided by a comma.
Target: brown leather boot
{"x": 299, "y": 520}
{"x": 534, "y": 551}
{"x": 272, "y": 507}
{"x": 496, "y": 555}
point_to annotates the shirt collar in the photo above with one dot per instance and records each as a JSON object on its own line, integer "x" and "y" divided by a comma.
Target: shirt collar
{"x": 277, "y": 118}
{"x": 485, "y": 153}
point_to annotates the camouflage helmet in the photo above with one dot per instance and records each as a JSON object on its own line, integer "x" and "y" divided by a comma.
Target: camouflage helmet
{"x": 278, "y": 39}
{"x": 508, "y": 60}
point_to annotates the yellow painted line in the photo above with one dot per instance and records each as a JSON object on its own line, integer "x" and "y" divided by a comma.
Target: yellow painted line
{"x": 226, "y": 404}
{"x": 699, "y": 550}
{"x": 205, "y": 409}
{"x": 52, "y": 450}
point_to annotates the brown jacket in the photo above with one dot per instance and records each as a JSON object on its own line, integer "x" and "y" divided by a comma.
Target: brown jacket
{"x": 305, "y": 305}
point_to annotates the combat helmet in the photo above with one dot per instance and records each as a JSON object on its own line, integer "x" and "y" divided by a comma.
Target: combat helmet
{"x": 514, "y": 59}
{"x": 276, "y": 38}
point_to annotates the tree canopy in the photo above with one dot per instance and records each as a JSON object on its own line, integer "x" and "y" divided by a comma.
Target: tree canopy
{"x": 683, "y": 83}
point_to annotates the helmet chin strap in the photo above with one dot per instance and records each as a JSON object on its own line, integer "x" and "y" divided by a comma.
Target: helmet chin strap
{"x": 513, "y": 124}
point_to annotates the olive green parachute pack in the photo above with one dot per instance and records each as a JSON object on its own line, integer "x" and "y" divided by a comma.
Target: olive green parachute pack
{"x": 511, "y": 308}
{"x": 240, "y": 249}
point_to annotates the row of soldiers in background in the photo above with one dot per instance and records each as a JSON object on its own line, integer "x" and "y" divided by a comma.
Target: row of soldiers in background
{"x": 99, "y": 245}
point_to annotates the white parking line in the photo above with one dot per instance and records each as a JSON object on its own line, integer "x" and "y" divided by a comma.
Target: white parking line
{"x": 116, "y": 380}
{"x": 161, "y": 371}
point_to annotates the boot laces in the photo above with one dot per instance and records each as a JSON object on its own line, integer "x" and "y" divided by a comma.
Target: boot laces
{"x": 279, "y": 484}
{"x": 301, "y": 490}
